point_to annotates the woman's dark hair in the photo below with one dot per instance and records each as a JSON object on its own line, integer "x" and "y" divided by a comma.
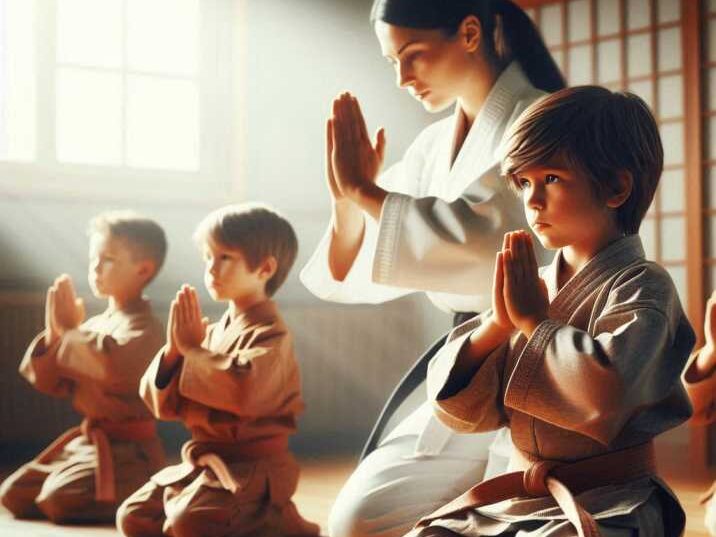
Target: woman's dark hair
{"x": 515, "y": 37}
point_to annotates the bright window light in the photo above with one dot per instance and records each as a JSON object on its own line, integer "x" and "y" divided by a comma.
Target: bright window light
{"x": 89, "y": 32}
{"x": 163, "y": 36}
{"x": 162, "y": 123}
{"x": 17, "y": 80}
{"x": 89, "y": 117}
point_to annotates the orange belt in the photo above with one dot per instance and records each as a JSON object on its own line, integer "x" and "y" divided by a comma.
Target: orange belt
{"x": 560, "y": 480}
{"x": 215, "y": 455}
{"x": 99, "y": 433}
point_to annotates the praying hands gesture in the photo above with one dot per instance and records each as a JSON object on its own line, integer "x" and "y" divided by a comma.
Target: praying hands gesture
{"x": 186, "y": 327}
{"x": 63, "y": 309}
{"x": 705, "y": 363}
{"x": 519, "y": 296}
{"x": 353, "y": 161}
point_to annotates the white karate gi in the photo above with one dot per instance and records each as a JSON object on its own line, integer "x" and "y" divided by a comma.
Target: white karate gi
{"x": 438, "y": 232}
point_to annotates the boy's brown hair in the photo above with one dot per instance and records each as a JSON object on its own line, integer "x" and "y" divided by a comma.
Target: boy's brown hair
{"x": 597, "y": 133}
{"x": 145, "y": 237}
{"x": 258, "y": 232}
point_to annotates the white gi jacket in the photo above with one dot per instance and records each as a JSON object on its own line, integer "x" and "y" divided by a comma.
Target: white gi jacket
{"x": 441, "y": 225}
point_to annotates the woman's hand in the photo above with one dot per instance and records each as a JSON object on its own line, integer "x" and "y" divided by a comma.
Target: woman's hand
{"x": 336, "y": 195}
{"x": 525, "y": 293}
{"x": 189, "y": 327}
{"x": 355, "y": 161}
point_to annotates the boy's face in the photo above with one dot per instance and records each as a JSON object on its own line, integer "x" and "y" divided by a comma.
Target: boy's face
{"x": 227, "y": 274}
{"x": 562, "y": 208}
{"x": 113, "y": 269}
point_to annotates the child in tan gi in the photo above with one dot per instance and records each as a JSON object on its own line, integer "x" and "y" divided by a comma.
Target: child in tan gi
{"x": 235, "y": 385}
{"x": 88, "y": 471}
{"x": 700, "y": 381}
{"x": 582, "y": 358}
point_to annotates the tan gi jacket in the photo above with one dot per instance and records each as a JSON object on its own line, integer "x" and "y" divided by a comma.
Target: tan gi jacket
{"x": 240, "y": 388}
{"x": 602, "y": 374}
{"x": 99, "y": 364}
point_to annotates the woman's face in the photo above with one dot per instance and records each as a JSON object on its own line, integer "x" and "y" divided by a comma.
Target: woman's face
{"x": 430, "y": 65}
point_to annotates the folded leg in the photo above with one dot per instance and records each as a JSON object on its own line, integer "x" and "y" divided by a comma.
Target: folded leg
{"x": 19, "y": 490}
{"x": 142, "y": 514}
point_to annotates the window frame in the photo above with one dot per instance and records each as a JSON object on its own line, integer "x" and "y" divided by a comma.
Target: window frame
{"x": 218, "y": 158}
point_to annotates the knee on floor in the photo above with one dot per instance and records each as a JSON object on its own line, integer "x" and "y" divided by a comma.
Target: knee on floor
{"x": 349, "y": 517}
{"x": 19, "y": 504}
{"x": 130, "y": 523}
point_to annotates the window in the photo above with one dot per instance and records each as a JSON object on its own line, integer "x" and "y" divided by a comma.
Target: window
{"x": 93, "y": 91}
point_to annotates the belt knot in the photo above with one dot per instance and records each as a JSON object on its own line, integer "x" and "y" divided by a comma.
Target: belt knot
{"x": 535, "y": 478}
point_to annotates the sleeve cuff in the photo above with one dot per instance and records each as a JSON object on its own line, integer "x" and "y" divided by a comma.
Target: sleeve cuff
{"x": 388, "y": 237}
{"x": 531, "y": 358}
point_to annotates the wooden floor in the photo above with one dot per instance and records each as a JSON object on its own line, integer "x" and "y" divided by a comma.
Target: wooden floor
{"x": 320, "y": 482}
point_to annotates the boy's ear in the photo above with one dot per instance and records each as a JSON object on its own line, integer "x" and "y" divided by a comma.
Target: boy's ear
{"x": 470, "y": 33}
{"x": 268, "y": 267}
{"x": 625, "y": 183}
{"x": 147, "y": 269}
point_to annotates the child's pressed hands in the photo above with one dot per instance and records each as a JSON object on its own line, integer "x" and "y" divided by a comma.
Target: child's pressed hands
{"x": 500, "y": 317}
{"x": 189, "y": 325}
{"x": 171, "y": 354}
{"x": 51, "y": 331}
{"x": 525, "y": 294}
{"x": 705, "y": 364}
{"x": 68, "y": 311}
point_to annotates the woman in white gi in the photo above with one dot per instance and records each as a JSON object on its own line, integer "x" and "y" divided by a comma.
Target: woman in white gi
{"x": 432, "y": 222}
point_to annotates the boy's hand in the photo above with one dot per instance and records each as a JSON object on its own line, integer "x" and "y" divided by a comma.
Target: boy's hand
{"x": 500, "y": 316}
{"x": 51, "y": 332}
{"x": 525, "y": 294}
{"x": 172, "y": 352}
{"x": 68, "y": 310}
{"x": 706, "y": 360}
{"x": 355, "y": 161}
{"x": 189, "y": 325}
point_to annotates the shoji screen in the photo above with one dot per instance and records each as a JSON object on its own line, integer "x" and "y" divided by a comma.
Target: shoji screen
{"x": 634, "y": 45}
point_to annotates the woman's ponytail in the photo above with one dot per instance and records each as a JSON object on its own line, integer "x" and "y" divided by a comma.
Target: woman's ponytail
{"x": 517, "y": 38}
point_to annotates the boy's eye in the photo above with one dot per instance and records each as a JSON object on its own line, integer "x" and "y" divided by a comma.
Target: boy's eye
{"x": 523, "y": 183}
{"x": 412, "y": 55}
{"x": 551, "y": 178}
